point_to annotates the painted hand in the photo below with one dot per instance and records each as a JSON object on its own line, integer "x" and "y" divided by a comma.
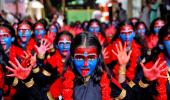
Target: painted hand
{"x": 155, "y": 71}
{"x": 44, "y": 46}
{"x": 18, "y": 70}
{"x": 122, "y": 55}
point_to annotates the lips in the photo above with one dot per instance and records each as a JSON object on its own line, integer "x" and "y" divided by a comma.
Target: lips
{"x": 84, "y": 72}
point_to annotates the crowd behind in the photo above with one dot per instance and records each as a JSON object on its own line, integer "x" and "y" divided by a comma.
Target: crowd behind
{"x": 85, "y": 61}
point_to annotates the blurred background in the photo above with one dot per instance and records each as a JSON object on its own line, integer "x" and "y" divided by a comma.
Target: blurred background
{"x": 81, "y": 10}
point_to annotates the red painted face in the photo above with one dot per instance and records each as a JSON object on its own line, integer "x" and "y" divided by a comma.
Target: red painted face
{"x": 159, "y": 24}
{"x": 24, "y": 26}
{"x": 39, "y": 26}
{"x": 141, "y": 26}
{"x": 134, "y": 21}
{"x": 126, "y": 29}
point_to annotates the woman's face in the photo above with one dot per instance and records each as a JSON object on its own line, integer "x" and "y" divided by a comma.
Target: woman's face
{"x": 127, "y": 34}
{"x": 85, "y": 60}
{"x": 158, "y": 25}
{"x": 5, "y": 38}
{"x": 39, "y": 31}
{"x": 141, "y": 30}
{"x": 24, "y": 32}
{"x": 64, "y": 45}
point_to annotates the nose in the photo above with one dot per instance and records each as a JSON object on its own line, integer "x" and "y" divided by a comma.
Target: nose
{"x": 85, "y": 63}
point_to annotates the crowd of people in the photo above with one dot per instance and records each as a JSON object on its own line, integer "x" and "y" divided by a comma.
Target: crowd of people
{"x": 85, "y": 61}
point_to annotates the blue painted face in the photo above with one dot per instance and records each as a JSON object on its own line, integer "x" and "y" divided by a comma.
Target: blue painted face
{"x": 85, "y": 60}
{"x": 167, "y": 46}
{"x": 141, "y": 32}
{"x": 158, "y": 25}
{"x": 53, "y": 29}
{"x": 24, "y": 35}
{"x": 64, "y": 45}
{"x": 39, "y": 34}
{"x": 127, "y": 34}
{"x": 5, "y": 38}
{"x": 127, "y": 37}
{"x": 24, "y": 32}
{"x": 156, "y": 30}
{"x": 94, "y": 29}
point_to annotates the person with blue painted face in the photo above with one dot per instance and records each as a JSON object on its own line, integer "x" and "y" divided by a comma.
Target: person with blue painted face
{"x": 157, "y": 26}
{"x": 63, "y": 43}
{"x": 127, "y": 34}
{"x": 39, "y": 31}
{"x": 95, "y": 27}
{"x": 24, "y": 33}
{"x": 8, "y": 60}
{"x": 85, "y": 70}
{"x": 159, "y": 65}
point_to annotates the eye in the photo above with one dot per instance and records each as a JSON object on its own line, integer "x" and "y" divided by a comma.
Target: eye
{"x": 60, "y": 43}
{"x": 92, "y": 57}
{"x": 79, "y": 57}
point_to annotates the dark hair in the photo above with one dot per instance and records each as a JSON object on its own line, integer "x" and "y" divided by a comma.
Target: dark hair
{"x": 42, "y": 21}
{"x": 61, "y": 34}
{"x": 90, "y": 40}
{"x": 164, "y": 31}
{"x": 152, "y": 25}
{"x": 25, "y": 22}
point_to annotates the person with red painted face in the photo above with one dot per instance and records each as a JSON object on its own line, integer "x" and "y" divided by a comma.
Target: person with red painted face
{"x": 152, "y": 39}
{"x": 123, "y": 54}
{"x": 94, "y": 27}
{"x": 62, "y": 44}
{"x": 16, "y": 73}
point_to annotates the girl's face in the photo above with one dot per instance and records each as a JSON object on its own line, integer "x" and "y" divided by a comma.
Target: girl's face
{"x": 141, "y": 30}
{"x": 85, "y": 60}
{"x": 127, "y": 34}
{"x": 158, "y": 25}
{"x": 5, "y": 38}
{"x": 24, "y": 32}
{"x": 64, "y": 45}
{"x": 39, "y": 31}
{"x": 53, "y": 29}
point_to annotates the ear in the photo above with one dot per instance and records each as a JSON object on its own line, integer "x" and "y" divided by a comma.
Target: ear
{"x": 13, "y": 39}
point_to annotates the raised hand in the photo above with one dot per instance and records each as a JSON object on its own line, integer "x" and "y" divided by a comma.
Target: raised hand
{"x": 18, "y": 70}
{"x": 122, "y": 55}
{"x": 105, "y": 53}
{"x": 44, "y": 46}
{"x": 155, "y": 71}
